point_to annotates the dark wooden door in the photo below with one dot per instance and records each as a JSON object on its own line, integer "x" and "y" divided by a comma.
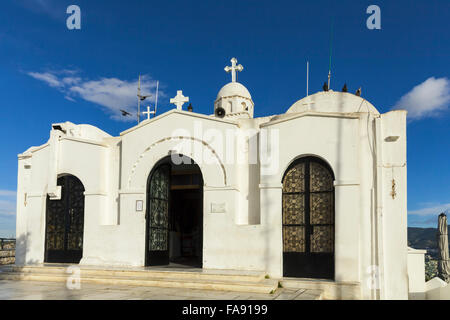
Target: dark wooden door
{"x": 308, "y": 220}
{"x": 65, "y": 223}
{"x": 157, "y": 244}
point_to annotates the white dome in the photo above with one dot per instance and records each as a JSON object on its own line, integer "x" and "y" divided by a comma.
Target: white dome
{"x": 332, "y": 101}
{"x": 233, "y": 89}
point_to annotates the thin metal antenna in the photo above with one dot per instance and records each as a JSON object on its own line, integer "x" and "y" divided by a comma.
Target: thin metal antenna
{"x": 331, "y": 46}
{"x": 307, "y": 78}
{"x": 156, "y": 102}
{"x": 139, "y": 100}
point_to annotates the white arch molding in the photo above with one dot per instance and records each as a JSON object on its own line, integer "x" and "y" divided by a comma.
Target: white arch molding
{"x": 288, "y": 164}
{"x": 207, "y": 176}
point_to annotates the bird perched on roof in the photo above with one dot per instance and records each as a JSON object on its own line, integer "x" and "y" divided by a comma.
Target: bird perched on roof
{"x": 358, "y": 92}
{"x": 125, "y": 113}
{"x": 325, "y": 86}
{"x": 345, "y": 89}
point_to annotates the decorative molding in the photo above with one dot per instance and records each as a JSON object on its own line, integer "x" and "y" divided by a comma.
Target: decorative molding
{"x": 132, "y": 191}
{"x": 95, "y": 193}
{"x": 352, "y": 115}
{"x": 234, "y": 96}
{"x": 96, "y": 143}
{"x": 275, "y": 185}
{"x": 227, "y": 188}
{"x": 182, "y": 112}
{"x": 342, "y": 183}
{"x": 142, "y": 155}
{"x": 36, "y": 194}
{"x": 29, "y": 153}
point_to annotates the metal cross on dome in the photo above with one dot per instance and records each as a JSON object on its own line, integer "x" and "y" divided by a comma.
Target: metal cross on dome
{"x": 233, "y": 69}
{"x": 179, "y": 100}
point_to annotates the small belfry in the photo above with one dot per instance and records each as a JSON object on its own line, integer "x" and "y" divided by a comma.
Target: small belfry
{"x": 234, "y": 100}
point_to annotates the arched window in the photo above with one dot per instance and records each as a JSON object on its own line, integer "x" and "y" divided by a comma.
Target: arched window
{"x": 308, "y": 219}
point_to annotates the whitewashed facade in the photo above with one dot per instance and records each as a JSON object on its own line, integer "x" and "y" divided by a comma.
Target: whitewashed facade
{"x": 242, "y": 199}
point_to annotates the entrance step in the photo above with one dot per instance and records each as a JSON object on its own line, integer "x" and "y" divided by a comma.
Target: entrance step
{"x": 331, "y": 290}
{"x": 223, "y": 280}
{"x": 300, "y": 294}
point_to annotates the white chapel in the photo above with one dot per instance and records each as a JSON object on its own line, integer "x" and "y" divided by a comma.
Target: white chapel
{"x": 318, "y": 192}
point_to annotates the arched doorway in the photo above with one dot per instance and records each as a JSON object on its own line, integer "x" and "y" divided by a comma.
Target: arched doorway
{"x": 308, "y": 219}
{"x": 65, "y": 223}
{"x": 174, "y": 217}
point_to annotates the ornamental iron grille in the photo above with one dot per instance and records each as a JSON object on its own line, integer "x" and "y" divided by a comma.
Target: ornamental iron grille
{"x": 308, "y": 219}
{"x": 65, "y": 223}
{"x": 158, "y": 216}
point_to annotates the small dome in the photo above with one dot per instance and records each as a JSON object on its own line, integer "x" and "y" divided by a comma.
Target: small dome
{"x": 234, "y": 89}
{"x": 332, "y": 101}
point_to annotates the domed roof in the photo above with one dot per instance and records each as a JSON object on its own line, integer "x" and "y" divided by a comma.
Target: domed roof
{"x": 234, "y": 89}
{"x": 332, "y": 101}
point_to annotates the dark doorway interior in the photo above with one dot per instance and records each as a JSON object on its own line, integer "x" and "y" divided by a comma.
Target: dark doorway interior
{"x": 65, "y": 223}
{"x": 182, "y": 241}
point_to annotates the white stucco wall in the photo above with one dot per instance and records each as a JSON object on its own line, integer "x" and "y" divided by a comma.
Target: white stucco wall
{"x": 370, "y": 224}
{"x": 416, "y": 273}
{"x": 391, "y": 203}
{"x": 333, "y": 138}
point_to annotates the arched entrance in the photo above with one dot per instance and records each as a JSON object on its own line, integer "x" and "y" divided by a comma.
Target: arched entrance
{"x": 174, "y": 217}
{"x": 308, "y": 219}
{"x": 65, "y": 223}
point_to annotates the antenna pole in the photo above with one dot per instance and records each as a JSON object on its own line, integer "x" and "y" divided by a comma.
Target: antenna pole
{"x": 139, "y": 100}
{"x": 331, "y": 46}
{"x": 307, "y": 78}
{"x": 329, "y": 78}
{"x": 156, "y": 102}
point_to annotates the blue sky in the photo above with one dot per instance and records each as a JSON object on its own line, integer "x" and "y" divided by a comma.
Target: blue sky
{"x": 51, "y": 74}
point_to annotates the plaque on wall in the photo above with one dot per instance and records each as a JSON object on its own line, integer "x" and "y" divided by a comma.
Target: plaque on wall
{"x": 139, "y": 205}
{"x": 218, "y": 208}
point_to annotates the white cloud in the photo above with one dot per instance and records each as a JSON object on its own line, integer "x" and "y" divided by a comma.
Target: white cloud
{"x": 47, "y": 77}
{"x": 433, "y": 210}
{"x": 427, "y": 99}
{"x": 71, "y": 80}
{"x": 111, "y": 93}
{"x": 7, "y": 203}
{"x": 7, "y": 208}
{"x": 8, "y": 193}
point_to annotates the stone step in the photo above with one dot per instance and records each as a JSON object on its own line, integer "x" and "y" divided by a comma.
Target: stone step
{"x": 300, "y": 294}
{"x": 330, "y": 289}
{"x": 194, "y": 274}
{"x": 262, "y": 286}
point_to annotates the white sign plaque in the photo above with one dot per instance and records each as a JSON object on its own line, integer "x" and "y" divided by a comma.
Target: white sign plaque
{"x": 218, "y": 208}
{"x": 139, "y": 205}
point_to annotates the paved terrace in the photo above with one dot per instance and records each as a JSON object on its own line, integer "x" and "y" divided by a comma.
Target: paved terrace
{"x": 34, "y": 290}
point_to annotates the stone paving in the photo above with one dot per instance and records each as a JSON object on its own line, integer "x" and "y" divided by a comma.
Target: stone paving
{"x": 34, "y": 290}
